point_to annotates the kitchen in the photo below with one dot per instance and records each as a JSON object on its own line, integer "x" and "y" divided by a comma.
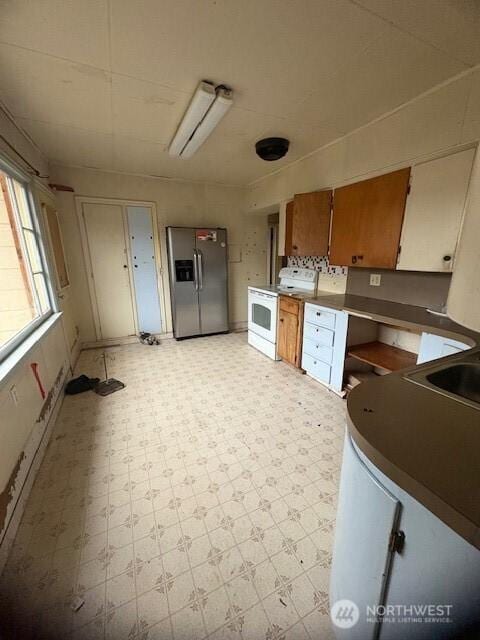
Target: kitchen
{"x": 296, "y": 238}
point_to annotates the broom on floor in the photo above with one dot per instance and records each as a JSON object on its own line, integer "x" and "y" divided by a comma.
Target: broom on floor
{"x": 109, "y": 385}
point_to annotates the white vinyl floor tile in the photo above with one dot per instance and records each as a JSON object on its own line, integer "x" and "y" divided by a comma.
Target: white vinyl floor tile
{"x": 198, "y": 502}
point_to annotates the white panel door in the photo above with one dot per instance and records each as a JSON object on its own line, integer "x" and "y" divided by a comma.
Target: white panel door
{"x": 109, "y": 269}
{"x": 434, "y": 211}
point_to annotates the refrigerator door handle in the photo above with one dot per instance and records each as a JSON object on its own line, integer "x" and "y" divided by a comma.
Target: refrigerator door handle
{"x": 195, "y": 270}
{"x": 200, "y": 267}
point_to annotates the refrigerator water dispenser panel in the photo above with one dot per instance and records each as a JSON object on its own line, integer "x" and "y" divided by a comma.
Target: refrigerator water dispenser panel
{"x": 184, "y": 270}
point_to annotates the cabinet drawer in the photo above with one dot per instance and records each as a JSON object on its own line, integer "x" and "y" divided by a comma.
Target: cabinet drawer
{"x": 318, "y": 315}
{"x": 318, "y": 351}
{"x": 290, "y": 305}
{"x": 316, "y": 368}
{"x": 318, "y": 334}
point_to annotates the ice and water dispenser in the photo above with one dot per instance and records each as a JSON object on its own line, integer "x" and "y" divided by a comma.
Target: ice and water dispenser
{"x": 184, "y": 270}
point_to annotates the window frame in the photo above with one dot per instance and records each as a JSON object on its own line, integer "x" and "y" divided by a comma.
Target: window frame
{"x": 13, "y": 172}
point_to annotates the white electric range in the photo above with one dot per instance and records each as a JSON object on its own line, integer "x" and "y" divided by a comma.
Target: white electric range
{"x": 263, "y": 306}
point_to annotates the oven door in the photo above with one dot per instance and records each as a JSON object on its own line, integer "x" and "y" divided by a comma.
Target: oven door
{"x": 262, "y": 315}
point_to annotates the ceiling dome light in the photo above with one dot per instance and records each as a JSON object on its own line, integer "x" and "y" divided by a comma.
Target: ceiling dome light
{"x": 270, "y": 149}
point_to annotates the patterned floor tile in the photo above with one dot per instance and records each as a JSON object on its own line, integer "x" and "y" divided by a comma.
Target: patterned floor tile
{"x": 199, "y": 501}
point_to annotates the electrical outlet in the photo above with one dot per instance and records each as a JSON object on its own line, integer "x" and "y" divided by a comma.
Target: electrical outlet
{"x": 13, "y": 394}
{"x": 375, "y": 279}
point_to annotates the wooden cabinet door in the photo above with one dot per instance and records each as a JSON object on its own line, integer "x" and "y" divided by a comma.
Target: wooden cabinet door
{"x": 287, "y": 336}
{"x": 288, "y": 228}
{"x": 310, "y": 225}
{"x": 367, "y": 221}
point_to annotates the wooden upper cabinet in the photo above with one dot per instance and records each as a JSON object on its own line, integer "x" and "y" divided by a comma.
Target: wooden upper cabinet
{"x": 367, "y": 221}
{"x": 307, "y": 224}
{"x": 288, "y": 228}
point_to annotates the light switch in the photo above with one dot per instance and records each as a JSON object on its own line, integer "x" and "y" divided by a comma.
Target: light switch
{"x": 375, "y": 279}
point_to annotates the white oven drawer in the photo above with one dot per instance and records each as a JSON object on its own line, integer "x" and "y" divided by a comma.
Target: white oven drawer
{"x": 318, "y": 351}
{"x": 320, "y": 316}
{"x": 318, "y": 334}
{"x": 316, "y": 368}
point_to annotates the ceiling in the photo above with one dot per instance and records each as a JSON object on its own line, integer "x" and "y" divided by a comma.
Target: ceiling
{"x": 104, "y": 83}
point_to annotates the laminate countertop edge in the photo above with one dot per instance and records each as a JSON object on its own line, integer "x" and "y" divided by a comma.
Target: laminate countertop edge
{"x": 425, "y": 442}
{"x": 400, "y": 315}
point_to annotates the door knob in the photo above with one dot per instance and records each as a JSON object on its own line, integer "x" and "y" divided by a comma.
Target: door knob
{"x": 125, "y": 266}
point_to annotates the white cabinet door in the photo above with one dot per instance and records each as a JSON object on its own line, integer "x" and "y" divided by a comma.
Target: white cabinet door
{"x": 433, "y": 213}
{"x": 433, "y": 347}
{"x": 366, "y": 516}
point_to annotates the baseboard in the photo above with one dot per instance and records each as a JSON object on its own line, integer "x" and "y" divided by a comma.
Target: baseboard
{"x": 239, "y": 326}
{"x": 98, "y": 344}
{"x": 29, "y": 464}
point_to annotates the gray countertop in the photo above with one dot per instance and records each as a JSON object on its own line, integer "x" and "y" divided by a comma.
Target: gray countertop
{"x": 427, "y": 443}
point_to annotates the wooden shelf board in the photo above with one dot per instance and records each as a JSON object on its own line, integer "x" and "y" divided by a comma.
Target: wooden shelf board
{"x": 382, "y": 355}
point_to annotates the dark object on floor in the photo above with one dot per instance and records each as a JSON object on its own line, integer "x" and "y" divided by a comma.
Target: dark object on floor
{"x": 81, "y": 384}
{"x": 148, "y": 338}
{"x": 109, "y": 385}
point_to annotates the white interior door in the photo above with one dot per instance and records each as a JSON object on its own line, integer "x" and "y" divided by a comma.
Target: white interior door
{"x": 110, "y": 272}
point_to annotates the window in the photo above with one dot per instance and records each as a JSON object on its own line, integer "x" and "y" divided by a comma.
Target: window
{"x": 24, "y": 291}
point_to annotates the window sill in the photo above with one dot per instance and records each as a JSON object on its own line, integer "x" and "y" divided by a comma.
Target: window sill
{"x": 21, "y": 352}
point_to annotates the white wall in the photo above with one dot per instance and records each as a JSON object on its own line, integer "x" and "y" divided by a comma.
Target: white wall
{"x": 463, "y": 304}
{"x": 177, "y": 203}
{"x": 25, "y": 424}
{"x": 440, "y": 120}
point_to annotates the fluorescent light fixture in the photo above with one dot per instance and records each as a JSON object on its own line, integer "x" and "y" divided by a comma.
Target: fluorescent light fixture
{"x": 207, "y": 108}
{"x": 198, "y": 107}
{"x": 219, "y": 108}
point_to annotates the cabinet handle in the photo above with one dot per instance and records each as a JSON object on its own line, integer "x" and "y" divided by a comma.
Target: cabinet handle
{"x": 281, "y": 319}
{"x": 447, "y": 258}
{"x": 294, "y": 246}
{"x": 360, "y": 257}
{"x": 354, "y": 259}
{"x": 319, "y": 313}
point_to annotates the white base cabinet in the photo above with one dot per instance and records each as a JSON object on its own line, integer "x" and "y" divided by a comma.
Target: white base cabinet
{"x": 324, "y": 343}
{"x": 433, "y": 347}
{"x": 435, "y": 566}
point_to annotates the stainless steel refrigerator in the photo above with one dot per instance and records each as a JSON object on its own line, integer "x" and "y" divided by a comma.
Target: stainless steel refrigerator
{"x": 197, "y": 261}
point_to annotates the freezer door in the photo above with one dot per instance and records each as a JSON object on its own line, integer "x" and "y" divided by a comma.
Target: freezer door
{"x": 183, "y": 281}
{"x": 212, "y": 267}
